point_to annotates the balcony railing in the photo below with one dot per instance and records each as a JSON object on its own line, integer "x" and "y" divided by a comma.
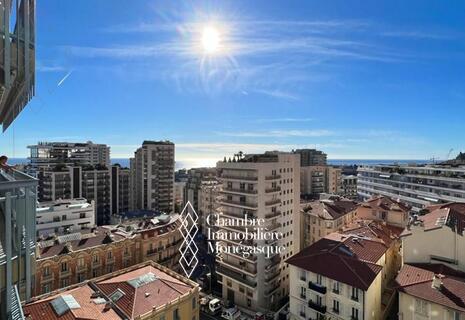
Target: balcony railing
{"x": 273, "y": 177}
{"x": 238, "y": 177}
{"x": 317, "y": 307}
{"x": 317, "y": 287}
{"x": 273, "y": 202}
{"x": 235, "y": 276}
{"x": 17, "y": 231}
{"x": 247, "y": 205}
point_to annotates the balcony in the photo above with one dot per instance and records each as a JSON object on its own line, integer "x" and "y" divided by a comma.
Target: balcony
{"x": 272, "y": 215}
{"x": 317, "y": 307}
{"x": 238, "y": 177}
{"x": 274, "y": 202}
{"x": 239, "y": 191}
{"x": 269, "y": 278}
{"x": 317, "y": 287}
{"x": 238, "y": 204}
{"x": 17, "y": 232}
{"x": 47, "y": 277}
{"x": 271, "y": 291}
{"x": 236, "y": 276}
{"x": 273, "y": 177}
{"x": 273, "y": 190}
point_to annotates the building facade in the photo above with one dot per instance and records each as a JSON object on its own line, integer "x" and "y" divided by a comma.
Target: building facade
{"x": 418, "y": 186}
{"x": 154, "y": 176}
{"x": 349, "y": 186}
{"x": 320, "y": 179}
{"x": 311, "y": 157}
{"x": 346, "y": 274}
{"x": 64, "y": 216}
{"x": 264, "y": 186}
{"x": 146, "y": 291}
{"x": 438, "y": 236}
{"x": 387, "y": 210}
{"x": 322, "y": 217}
{"x": 208, "y": 194}
{"x": 195, "y": 178}
{"x": 51, "y": 154}
{"x": 70, "y": 259}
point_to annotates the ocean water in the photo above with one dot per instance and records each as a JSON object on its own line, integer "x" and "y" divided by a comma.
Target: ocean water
{"x": 124, "y": 162}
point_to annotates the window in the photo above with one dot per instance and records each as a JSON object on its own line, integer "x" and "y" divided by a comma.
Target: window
{"x": 194, "y": 303}
{"x": 355, "y": 313}
{"x": 319, "y": 279}
{"x": 81, "y": 277}
{"x": 110, "y": 254}
{"x": 421, "y": 307}
{"x": 354, "y": 294}
{"x": 162, "y": 317}
{"x": 64, "y": 283}
{"x": 303, "y": 275}
{"x": 303, "y": 292}
{"x": 82, "y": 215}
{"x": 319, "y": 300}
{"x": 336, "y": 306}
{"x": 64, "y": 266}
{"x": 46, "y": 271}
{"x": 81, "y": 262}
{"x": 95, "y": 258}
{"x": 176, "y": 314}
{"x": 46, "y": 288}
{"x": 336, "y": 287}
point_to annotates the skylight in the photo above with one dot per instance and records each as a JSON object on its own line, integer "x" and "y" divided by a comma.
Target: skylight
{"x": 142, "y": 280}
{"x": 64, "y": 303}
{"x": 118, "y": 294}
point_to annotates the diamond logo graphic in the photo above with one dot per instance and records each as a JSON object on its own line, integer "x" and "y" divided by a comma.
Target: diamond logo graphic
{"x": 188, "y": 248}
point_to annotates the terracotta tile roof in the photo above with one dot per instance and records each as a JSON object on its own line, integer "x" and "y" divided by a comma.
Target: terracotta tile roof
{"x": 373, "y": 230}
{"x": 448, "y": 214}
{"x": 101, "y": 237}
{"x": 329, "y": 209}
{"x": 140, "y": 300}
{"x": 142, "y": 288}
{"x": 341, "y": 261}
{"x": 43, "y": 310}
{"x": 386, "y": 203}
{"x": 418, "y": 282}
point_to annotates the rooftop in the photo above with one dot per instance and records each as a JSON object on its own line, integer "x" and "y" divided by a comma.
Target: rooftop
{"x": 350, "y": 260}
{"x": 386, "y": 203}
{"x": 328, "y": 209}
{"x": 124, "y": 294}
{"x": 417, "y": 280}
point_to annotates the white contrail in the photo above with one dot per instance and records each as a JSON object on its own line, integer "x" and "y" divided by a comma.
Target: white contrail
{"x": 64, "y": 78}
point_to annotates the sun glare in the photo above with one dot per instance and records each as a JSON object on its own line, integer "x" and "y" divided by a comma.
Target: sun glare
{"x": 210, "y": 40}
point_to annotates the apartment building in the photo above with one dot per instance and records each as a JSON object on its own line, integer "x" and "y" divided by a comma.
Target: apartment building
{"x": 51, "y": 154}
{"x": 416, "y": 185}
{"x": 64, "y": 216}
{"x": 195, "y": 178}
{"x": 72, "y": 258}
{"x": 208, "y": 194}
{"x": 320, "y": 179}
{"x": 387, "y": 210}
{"x": 311, "y": 157}
{"x": 349, "y": 186}
{"x": 154, "y": 176}
{"x": 431, "y": 291}
{"x": 345, "y": 275}
{"x": 146, "y": 291}
{"x": 263, "y": 186}
{"x": 17, "y": 190}
{"x": 322, "y": 217}
{"x": 121, "y": 191}
{"x": 179, "y": 189}
{"x": 437, "y": 236}
{"x": 109, "y": 188}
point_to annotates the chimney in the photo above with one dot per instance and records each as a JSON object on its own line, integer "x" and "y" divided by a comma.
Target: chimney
{"x": 437, "y": 281}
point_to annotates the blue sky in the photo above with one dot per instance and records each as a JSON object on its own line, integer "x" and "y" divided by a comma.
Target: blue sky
{"x": 357, "y": 79}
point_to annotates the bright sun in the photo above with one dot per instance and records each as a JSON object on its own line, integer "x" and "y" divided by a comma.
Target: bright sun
{"x": 210, "y": 40}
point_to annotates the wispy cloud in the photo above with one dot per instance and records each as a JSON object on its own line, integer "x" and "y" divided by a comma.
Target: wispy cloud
{"x": 266, "y": 120}
{"x": 280, "y": 133}
{"x": 420, "y": 35}
{"x": 41, "y": 67}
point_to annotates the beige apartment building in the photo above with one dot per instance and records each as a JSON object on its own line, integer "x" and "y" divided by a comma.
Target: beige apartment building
{"x": 322, "y": 217}
{"x": 385, "y": 209}
{"x": 147, "y": 291}
{"x": 263, "y": 186}
{"x": 320, "y": 179}
{"x": 437, "y": 237}
{"x": 154, "y": 176}
{"x": 346, "y": 274}
{"x": 431, "y": 291}
{"x": 69, "y": 259}
{"x": 207, "y": 201}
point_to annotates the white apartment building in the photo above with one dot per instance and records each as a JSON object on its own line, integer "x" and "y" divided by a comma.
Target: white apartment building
{"x": 437, "y": 237}
{"x": 263, "y": 186}
{"x": 64, "y": 216}
{"x": 154, "y": 176}
{"x": 349, "y": 186}
{"x": 208, "y": 194}
{"x": 51, "y": 154}
{"x": 416, "y": 185}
